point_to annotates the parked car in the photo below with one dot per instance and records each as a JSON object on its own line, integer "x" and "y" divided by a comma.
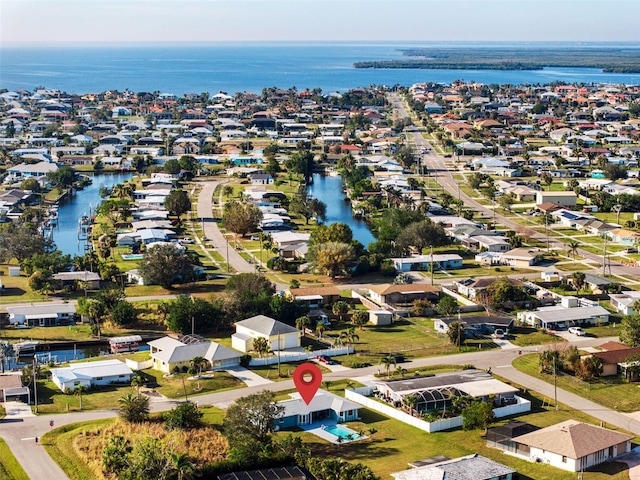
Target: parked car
{"x": 498, "y": 333}
{"x": 398, "y": 357}
{"x": 187, "y": 240}
{"x": 577, "y": 331}
{"x": 324, "y": 359}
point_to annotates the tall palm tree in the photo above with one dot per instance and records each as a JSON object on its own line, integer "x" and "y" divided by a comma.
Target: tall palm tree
{"x": 163, "y": 309}
{"x": 573, "y": 249}
{"x": 302, "y": 323}
{"x": 320, "y": 328}
{"x": 388, "y": 361}
{"x": 349, "y": 336}
{"x": 410, "y": 401}
{"x": 79, "y": 391}
{"x": 137, "y": 382}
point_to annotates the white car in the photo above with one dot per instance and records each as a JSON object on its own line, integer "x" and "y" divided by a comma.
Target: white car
{"x": 498, "y": 333}
{"x": 577, "y": 331}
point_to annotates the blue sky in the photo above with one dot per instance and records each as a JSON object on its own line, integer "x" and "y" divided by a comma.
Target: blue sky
{"x": 81, "y": 21}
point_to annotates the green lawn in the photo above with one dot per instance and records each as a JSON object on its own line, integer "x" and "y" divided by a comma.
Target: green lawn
{"x": 524, "y": 337}
{"x": 10, "y": 469}
{"x": 395, "y": 444}
{"x": 610, "y": 392}
{"x": 175, "y": 386}
{"x": 52, "y": 400}
{"x": 270, "y": 372}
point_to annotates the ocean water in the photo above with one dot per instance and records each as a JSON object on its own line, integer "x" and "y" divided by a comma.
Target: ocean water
{"x": 250, "y": 67}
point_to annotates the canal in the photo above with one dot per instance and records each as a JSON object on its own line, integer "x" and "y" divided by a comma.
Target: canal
{"x": 84, "y": 202}
{"x": 329, "y": 190}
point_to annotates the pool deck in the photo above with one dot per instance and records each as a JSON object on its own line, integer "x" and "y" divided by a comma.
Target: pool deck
{"x": 317, "y": 430}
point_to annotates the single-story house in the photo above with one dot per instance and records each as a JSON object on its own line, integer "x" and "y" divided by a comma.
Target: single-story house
{"x": 617, "y": 361}
{"x": 63, "y": 279}
{"x": 573, "y": 446}
{"x": 480, "y": 323}
{"x": 279, "y": 335}
{"x": 520, "y": 257}
{"x": 566, "y": 199}
{"x": 169, "y": 353}
{"x": 622, "y": 236}
{"x": 91, "y": 374}
{"x": 325, "y": 405}
{"x": 623, "y": 302}
{"x": 402, "y": 294}
{"x": 444, "y": 261}
{"x": 471, "y": 467}
{"x": 314, "y": 297}
{"x": 471, "y": 288}
{"x": 558, "y": 317}
{"x": 11, "y": 388}
{"x": 489, "y": 243}
{"x": 43, "y": 315}
{"x": 436, "y": 392}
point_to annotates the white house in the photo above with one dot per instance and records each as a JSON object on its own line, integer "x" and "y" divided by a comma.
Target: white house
{"x": 90, "y": 374}
{"x": 324, "y": 406}
{"x": 44, "y": 315}
{"x": 623, "y": 302}
{"x": 168, "y": 353}
{"x": 573, "y": 446}
{"x": 279, "y": 335}
{"x": 561, "y": 317}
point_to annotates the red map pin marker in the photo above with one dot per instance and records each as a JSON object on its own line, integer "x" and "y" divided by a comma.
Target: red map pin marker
{"x": 307, "y": 378}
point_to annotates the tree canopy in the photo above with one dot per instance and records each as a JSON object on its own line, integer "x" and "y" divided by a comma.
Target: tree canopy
{"x": 22, "y": 242}
{"x": 331, "y": 258}
{"x": 177, "y": 202}
{"x": 241, "y": 218}
{"x": 252, "y": 418}
{"x": 165, "y": 265}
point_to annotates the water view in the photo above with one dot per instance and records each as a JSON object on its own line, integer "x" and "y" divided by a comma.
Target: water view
{"x": 329, "y": 190}
{"x": 84, "y": 202}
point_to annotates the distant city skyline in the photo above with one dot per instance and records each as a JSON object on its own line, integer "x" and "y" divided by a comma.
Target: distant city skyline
{"x": 47, "y": 22}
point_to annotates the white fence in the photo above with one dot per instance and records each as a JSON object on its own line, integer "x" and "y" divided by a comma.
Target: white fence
{"x": 356, "y": 395}
{"x": 133, "y": 365}
{"x": 299, "y": 356}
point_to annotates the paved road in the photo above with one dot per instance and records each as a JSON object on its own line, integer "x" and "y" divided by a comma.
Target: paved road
{"x": 213, "y": 233}
{"x": 38, "y": 465}
{"x": 437, "y": 165}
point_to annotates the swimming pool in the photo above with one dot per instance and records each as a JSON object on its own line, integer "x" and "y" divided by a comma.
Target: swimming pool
{"x": 343, "y": 432}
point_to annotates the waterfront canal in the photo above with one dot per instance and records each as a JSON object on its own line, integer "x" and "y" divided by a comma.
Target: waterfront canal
{"x": 84, "y": 202}
{"x": 329, "y": 189}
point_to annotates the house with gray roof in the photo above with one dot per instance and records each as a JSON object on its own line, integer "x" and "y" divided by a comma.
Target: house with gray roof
{"x": 471, "y": 467}
{"x": 324, "y": 406}
{"x": 169, "y": 353}
{"x": 279, "y": 335}
{"x": 42, "y": 315}
{"x": 559, "y": 317}
{"x": 91, "y": 374}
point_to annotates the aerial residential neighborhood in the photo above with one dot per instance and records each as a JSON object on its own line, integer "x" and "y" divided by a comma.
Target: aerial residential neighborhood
{"x": 473, "y": 311}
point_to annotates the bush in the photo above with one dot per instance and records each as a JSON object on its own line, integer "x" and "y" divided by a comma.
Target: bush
{"x": 183, "y": 417}
{"x": 245, "y": 360}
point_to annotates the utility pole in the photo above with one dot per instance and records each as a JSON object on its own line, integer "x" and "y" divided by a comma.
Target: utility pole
{"x": 35, "y": 383}
{"x": 604, "y": 256}
{"x": 555, "y": 383}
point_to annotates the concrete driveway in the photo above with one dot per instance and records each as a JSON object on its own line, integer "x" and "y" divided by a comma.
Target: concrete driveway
{"x": 633, "y": 461}
{"x": 16, "y": 410}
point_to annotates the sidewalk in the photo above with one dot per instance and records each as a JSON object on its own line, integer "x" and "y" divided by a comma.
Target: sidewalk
{"x": 248, "y": 377}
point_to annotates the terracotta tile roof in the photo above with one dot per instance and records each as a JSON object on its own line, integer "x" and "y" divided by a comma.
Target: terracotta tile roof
{"x": 573, "y": 439}
{"x": 610, "y": 346}
{"x": 617, "y": 356}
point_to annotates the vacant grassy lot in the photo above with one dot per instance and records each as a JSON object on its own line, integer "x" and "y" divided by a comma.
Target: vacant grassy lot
{"x": 610, "y": 392}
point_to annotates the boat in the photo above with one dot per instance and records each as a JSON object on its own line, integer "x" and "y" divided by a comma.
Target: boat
{"x": 125, "y": 344}
{"x": 25, "y": 346}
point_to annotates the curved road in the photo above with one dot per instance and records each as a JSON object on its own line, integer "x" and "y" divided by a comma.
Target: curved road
{"x": 19, "y": 435}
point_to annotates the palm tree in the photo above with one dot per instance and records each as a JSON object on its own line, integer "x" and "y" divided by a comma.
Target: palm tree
{"x": 182, "y": 467}
{"x": 349, "y": 336}
{"x": 320, "y": 328}
{"x": 137, "y": 382}
{"x": 359, "y": 317}
{"x": 578, "y": 280}
{"x": 410, "y": 401}
{"x": 573, "y": 249}
{"x": 340, "y": 309}
{"x": 79, "y": 391}
{"x": 400, "y": 371}
{"x": 6, "y": 351}
{"x": 261, "y": 345}
{"x": 199, "y": 363}
{"x": 388, "y": 361}
{"x": 302, "y": 323}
